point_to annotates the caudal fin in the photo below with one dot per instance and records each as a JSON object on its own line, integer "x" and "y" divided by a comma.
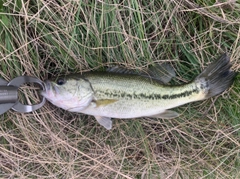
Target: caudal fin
{"x": 218, "y": 76}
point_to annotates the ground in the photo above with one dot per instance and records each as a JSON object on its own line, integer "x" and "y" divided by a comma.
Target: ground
{"x": 49, "y": 38}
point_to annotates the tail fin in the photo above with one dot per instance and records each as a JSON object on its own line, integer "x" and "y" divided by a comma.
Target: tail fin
{"x": 218, "y": 76}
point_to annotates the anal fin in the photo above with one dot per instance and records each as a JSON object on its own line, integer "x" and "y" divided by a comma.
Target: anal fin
{"x": 104, "y": 121}
{"x": 168, "y": 114}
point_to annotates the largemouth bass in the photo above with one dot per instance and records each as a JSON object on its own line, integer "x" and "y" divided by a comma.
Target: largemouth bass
{"x": 107, "y": 95}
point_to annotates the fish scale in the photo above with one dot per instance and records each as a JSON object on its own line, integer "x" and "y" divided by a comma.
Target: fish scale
{"x": 154, "y": 91}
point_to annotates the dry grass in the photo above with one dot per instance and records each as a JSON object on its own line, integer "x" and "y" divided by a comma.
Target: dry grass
{"x": 47, "y": 38}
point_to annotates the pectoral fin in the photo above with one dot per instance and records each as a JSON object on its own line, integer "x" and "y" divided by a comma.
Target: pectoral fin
{"x": 104, "y": 121}
{"x": 104, "y": 102}
{"x": 168, "y": 114}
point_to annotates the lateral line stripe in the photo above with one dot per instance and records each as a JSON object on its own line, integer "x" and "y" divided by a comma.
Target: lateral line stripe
{"x": 151, "y": 96}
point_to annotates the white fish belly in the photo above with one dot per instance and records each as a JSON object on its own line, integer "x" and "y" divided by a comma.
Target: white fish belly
{"x": 124, "y": 109}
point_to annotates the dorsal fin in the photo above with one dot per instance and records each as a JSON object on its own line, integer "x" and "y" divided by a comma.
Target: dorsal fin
{"x": 162, "y": 72}
{"x": 117, "y": 69}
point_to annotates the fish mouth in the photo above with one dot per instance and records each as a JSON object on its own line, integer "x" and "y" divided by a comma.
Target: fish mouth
{"x": 47, "y": 88}
{"x": 47, "y": 85}
{"x": 51, "y": 89}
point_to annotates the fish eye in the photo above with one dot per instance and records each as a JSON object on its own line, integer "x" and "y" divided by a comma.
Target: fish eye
{"x": 61, "y": 81}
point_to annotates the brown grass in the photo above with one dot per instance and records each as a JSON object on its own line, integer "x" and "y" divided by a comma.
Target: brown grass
{"x": 48, "y": 38}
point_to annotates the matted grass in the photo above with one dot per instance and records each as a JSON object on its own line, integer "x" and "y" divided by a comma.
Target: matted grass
{"x": 47, "y": 38}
